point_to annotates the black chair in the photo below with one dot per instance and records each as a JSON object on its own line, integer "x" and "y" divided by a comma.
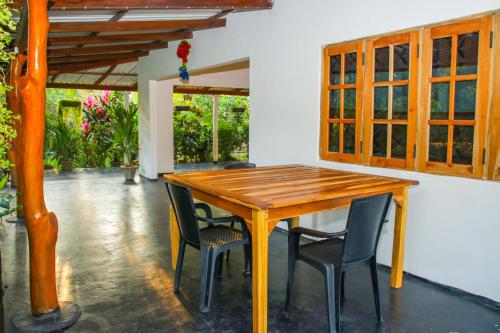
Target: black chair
{"x": 333, "y": 255}
{"x": 234, "y": 166}
{"x": 212, "y": 241}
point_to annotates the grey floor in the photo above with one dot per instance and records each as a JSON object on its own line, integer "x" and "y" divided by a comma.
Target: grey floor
{"x": 113, "y": 259}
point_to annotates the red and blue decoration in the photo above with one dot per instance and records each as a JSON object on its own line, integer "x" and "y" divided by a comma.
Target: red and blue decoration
{"x": 183, "y": 53}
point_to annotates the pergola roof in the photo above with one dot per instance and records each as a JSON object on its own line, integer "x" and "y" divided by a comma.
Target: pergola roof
{"x": 95, "y": 44}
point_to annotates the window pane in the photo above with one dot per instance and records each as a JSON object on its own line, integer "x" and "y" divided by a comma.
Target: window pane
{"x": 334, "y": 104}
{"x": 441, "y": 57}
{"x": 349, "y": 138}
{"x": 349, "y": 103}
{"x": 382, "y": 64}
{"x": 398, "y": 141}
{"x": 380, "y": 140}
{"x": 350, "y": 68}
{"x": 440, "y": 100}
{"x": 467, "y": 49}
{"x": 334, "y": 138}
{"x": 400, "y": 102}
{"x": 438, "y": 143}
{"x": 335, "y": 69}
{"x": 463, "y": 141}
{"x": 401, "y": 61}
{"x": 465, "y": 99}
{"x": 380, "y": 103}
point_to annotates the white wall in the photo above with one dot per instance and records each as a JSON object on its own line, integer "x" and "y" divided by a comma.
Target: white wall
{"x": 453, "y": 223}
{"x": 156, "y": 138}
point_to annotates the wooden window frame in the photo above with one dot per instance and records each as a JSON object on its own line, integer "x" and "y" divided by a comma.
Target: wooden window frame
{"x": 493, "y": 158}
{"x": 326, "y": 87}
{"x": 483, "y": 26}
{"x": 411, "y": 38}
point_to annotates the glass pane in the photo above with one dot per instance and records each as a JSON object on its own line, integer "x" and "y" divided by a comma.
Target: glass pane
{"x": 380, "y": 140}
{"x": 381, "y": 102}
{"x": 401, "y": 61}
{"x": 349, "y": 138}
{"x": 440, "y": 100}
{"x": 400, "y": 102}
{"x": 398, "y": 141}
{"x": 335, "y": 69}
{"x": 438, "y": 143}
{"x": 467, "y": 49}
{"x": 465, "y": 99}
{"x": 350, "y": 68}
{"x": 334, "y": 138}
{"x": 463, "y": 141}
{"x": 334, "y": 104}
{"x": 382, "y": 64}
{"x": 441, "y": 57}
{"x": 349, "y": 103}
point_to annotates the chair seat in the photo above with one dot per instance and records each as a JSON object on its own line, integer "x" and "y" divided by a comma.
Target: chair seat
{"x": 220, "y": 235}
{"x": 328, "y": 251}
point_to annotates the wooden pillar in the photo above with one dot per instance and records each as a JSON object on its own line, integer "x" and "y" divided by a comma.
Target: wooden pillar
{"x": 16, "y": 105}
{"x": 215, "y": 134}
{"x": 41, "y": 225}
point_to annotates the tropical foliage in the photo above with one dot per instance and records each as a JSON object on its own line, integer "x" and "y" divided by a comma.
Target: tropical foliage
{"x": 126, "y": 133}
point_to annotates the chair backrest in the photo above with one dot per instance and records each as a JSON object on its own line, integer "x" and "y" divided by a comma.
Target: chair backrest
{"x": 182, "y": 202}
{"x": 364, "y": 225}
{"x": 234, "y": 166}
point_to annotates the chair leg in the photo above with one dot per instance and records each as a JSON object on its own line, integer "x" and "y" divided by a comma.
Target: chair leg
{"x": 376, "y": 295}
{"x": 218, "y": 264}
{"x": 207, "y": 261}
{"x": 211, "y": 281}
{"x": 247, "y": 250}
{"x": 178, "y": 268}
{"x": 228, "y": 252}
{"x": 332, "y": 283}
{"x": 289, "y": 287}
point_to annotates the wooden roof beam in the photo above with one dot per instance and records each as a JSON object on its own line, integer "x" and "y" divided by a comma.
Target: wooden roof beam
{"x": 72, "y": 51}
{"x": 92, "y": 86}
{"x": 154, "y": 4}
{"x": 77, "y": 67}
{"x": 137, "y": 25}
{"x": 104, "y": 39}
{"x": 105, "y": 75}
{"x": 95, "y": 57}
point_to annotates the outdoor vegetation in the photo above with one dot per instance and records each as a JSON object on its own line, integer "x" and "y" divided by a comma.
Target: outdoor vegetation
{"x": 100, "y": 132}
{"x": 193, "y": 128}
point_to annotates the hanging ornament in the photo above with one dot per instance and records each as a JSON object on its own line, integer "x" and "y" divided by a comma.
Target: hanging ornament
{"x": 183, "y": 53}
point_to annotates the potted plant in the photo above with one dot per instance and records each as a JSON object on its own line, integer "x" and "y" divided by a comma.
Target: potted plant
{"x": 64, "y": 143}
{"x": 125, "y": 134}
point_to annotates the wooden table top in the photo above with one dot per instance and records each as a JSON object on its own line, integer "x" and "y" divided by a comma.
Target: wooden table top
{"x": 286, "y": 185}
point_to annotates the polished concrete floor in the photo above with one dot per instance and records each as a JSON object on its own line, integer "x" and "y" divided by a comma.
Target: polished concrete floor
{"x": 113, "y": 259}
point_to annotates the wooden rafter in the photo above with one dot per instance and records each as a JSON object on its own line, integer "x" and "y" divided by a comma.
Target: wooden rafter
{"x": 194, "y": 90}
{"x": 137, "y": 25}
{"x": 221, "y": 14}
{"x": 70, "y": 68}
{"x": 103, "y": 39}
{"x": 92, "y": 86}
{"x": 96, "y": 57}
{"x": 71, "y": 51}
{"x": 105, "y": 75}
{"x": 154, "y": 4}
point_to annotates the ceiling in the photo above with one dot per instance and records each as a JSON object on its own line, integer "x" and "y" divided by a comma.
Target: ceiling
{"x": 95, "y": 44}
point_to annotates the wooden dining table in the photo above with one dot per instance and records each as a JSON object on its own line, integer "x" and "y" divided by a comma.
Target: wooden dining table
{"x": 266, "y": 195}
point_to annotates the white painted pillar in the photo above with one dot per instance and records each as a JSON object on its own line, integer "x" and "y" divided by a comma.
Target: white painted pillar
{"x": 215, "y": 134}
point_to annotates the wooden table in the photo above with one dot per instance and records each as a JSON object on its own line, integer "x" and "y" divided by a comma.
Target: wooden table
{"x": 264, "y": 196}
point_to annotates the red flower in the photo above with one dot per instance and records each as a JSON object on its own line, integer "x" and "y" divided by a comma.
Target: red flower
{"x": 85, "y": 127}
{"x": 100, "y": 111}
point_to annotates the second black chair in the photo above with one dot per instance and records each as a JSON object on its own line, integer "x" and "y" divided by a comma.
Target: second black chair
{"x": 212, "y": 241}
{"x": 333, "y": 256}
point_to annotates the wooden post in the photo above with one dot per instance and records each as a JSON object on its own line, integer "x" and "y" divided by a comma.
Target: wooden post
{"x": 16, "y": 104}
{"x": 215, "y": 134}
{"x": 399, "y": 241}
{"x": 41, "y": 225}
{"x": 260, "y": 262}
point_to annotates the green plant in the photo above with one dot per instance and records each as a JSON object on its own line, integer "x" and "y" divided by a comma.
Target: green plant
{"x": 125, "y": 129}
{"x": 64, "y": 139}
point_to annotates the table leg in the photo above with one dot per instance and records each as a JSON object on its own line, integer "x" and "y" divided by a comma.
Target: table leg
{"x": 398, "y": 245}
{"x": 174, "y": 237}
{"x": 260, "y": 258}
{"x": 295, "y": 221}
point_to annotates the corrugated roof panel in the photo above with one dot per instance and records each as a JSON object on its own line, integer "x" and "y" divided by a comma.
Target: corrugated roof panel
{"x": 111, "y": 80}
{"x": 167, "y": 15}
{"x": 88, "y": 79}
{"x": 67, "y": 78}
{"x": 130, "y": 67}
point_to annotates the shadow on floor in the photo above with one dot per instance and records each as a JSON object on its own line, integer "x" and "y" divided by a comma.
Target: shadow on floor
{"x": 113, "y": 259}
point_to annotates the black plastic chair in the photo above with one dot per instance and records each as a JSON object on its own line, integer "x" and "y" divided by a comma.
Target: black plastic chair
{"x": 333, "y": 255}
{"x": 212, "y": 241}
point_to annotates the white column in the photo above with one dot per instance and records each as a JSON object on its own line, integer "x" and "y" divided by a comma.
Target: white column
{"x": 215, "y": 138}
